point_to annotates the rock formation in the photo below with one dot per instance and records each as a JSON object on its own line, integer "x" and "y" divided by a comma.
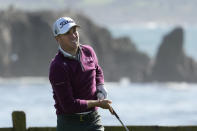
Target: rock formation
{"x": 118, "y": 57}
{"x": 171, "y": 63}
{"x": 27, "y": 46}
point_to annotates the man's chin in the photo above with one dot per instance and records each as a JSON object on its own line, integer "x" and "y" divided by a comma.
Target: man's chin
{"x": 76, "y": 45}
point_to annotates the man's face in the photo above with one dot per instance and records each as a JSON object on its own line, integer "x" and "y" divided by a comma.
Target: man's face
{"x": 70, "y": 40}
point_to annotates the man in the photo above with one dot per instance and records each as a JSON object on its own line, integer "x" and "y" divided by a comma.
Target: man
{"x": 77, "y": 81}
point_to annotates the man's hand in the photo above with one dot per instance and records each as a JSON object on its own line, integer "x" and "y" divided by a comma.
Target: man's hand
{"x": 105, "y": 104}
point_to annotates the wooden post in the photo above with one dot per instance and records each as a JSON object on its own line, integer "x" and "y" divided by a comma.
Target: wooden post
{"x": 19, "y": 121}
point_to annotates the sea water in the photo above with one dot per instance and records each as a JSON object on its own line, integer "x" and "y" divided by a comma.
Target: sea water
{"x": 135, "y": 103}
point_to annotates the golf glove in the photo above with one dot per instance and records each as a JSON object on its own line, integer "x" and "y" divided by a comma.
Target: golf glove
{"x": 101, "y": 92}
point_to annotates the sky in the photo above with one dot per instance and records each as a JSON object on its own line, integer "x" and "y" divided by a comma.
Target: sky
{"x": 114, "y": 12}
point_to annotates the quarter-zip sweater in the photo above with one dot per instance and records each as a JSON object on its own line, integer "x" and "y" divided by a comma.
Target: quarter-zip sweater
{"x": 74, "y": 80}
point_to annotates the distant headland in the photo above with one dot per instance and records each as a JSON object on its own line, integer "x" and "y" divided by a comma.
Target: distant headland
{"x": 27, "y": 46}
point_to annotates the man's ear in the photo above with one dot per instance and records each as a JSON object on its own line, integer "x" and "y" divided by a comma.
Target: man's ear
{"x": 57, "y": 38}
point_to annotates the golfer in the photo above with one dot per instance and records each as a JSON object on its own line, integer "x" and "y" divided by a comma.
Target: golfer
{"x": 77, "y": 81}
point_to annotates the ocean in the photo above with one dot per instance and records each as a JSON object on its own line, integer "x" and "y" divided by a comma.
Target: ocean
{"x": 135, "y": 103}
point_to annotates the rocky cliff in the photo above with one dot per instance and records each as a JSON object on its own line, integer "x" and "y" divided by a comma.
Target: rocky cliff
{"x": 171, "y": 63}
{"x": 27, "y": 46}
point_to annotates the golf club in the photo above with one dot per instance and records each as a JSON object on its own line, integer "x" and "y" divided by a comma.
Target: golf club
{"x": 120, "y": 120}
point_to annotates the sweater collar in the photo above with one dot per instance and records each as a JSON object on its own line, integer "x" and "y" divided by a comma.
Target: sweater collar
{"x": 66, "y": 54}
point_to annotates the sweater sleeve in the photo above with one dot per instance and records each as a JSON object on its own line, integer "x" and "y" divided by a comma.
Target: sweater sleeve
{"x": 60, "y": 81}
{"x": 99, "y": 71}
{"x": 99, "y": 76}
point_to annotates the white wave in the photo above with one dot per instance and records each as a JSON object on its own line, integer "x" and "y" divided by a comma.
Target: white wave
{"x": 180, "y": 85}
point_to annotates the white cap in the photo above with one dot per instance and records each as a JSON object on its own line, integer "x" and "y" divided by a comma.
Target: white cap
{"x": 63, "y": 25}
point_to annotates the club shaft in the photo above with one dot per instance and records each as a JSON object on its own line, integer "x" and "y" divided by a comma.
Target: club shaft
{"x": 123, "y": 125}
{"x": 120, "y": 120}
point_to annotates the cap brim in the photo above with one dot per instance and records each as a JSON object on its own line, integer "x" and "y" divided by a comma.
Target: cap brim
{"x": 68, "y": 28}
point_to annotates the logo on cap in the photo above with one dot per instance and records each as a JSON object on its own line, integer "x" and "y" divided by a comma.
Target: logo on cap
{"x": 65, "y": 22}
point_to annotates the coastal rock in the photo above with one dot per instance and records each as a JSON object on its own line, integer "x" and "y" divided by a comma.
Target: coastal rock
{"x": 29, "y": 46}
{"x": 171, "y": 63}
{"x": 119, "y": 57}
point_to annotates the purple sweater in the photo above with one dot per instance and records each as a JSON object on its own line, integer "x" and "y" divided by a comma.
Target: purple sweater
{"x": 74, "y": 81}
